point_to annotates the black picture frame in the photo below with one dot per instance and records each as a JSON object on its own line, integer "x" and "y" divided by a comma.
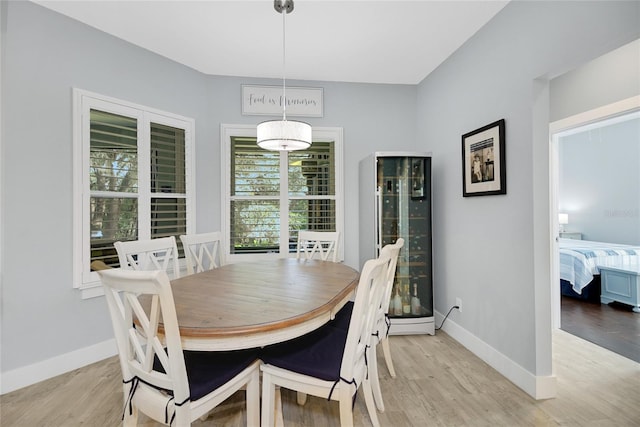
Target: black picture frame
{"x": 484, "y": 161}
{"x": 417, "y": 178}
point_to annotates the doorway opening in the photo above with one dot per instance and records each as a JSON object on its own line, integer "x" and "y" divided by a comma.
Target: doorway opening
{"x": 596, "y": 195}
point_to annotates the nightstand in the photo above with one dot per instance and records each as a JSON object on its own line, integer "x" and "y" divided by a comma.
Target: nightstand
{"x": 621, "y": 283}
{"x": 571, "y": 235}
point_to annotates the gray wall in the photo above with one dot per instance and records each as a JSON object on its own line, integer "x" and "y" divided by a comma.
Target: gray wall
{"x": 493, "y": 252}
{"x": 45, "y": 55}
{"x": 599, "y": 182}
{"x": 599, "y": 171}
{"x": 609, "y": 78}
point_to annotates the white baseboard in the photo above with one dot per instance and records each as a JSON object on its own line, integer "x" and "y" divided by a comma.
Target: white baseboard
{"x": 538, "y": 387}
{"x": 28, "y": 375}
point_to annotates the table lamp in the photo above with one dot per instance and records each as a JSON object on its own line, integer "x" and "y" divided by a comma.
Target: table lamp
{"x": 563, "y": 219}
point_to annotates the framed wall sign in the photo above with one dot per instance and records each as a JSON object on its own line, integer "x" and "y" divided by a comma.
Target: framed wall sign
{"x": 484, "y": 161}
{"x": 268, "y": 100}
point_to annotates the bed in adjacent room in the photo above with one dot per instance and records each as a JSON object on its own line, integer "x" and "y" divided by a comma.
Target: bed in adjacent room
{"x": 579, "y": 260}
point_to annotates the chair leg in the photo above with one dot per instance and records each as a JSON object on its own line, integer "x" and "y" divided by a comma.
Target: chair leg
{"x": 130, "y": 419}
{"x": 371, "y": 406}
{"x": 373, "y": 377}
{"x": 182, "y": 417}
{"x": 253, "y": 399}
{"x": 346, "y": 410}
{"x": 387, "y": 356}
{"x": 268, "y": 401}
{"x": 301, "y": 398}
{"x": 279, "y": 416}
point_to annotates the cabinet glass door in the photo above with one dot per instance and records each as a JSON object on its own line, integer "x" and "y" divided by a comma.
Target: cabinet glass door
{"x": 404, "y": 210}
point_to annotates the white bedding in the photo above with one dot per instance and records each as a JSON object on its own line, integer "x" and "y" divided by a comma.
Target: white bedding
{"x": 579, "y": 259}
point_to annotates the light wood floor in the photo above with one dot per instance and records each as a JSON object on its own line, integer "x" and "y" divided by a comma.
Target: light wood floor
{"x": 439, "y": 383}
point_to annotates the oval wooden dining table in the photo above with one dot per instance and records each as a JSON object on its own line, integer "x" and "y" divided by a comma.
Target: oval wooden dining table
{"x": 253, "y": 304}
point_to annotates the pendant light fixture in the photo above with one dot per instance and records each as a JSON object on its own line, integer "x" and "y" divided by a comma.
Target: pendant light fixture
{"x": 284, "y": 135}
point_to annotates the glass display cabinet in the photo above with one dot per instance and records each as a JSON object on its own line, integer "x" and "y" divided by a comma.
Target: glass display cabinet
{"x": 395, "y": 201}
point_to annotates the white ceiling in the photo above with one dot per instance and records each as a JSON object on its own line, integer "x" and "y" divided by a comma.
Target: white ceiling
{"x": 398, "y": 42}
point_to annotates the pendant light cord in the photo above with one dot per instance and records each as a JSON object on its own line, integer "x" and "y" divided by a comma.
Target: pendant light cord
{"x": 284, "y": 57}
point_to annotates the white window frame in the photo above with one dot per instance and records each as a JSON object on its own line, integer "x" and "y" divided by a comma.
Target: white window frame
{"x": 84, "y": 279}
{"x": 227, "y": 131}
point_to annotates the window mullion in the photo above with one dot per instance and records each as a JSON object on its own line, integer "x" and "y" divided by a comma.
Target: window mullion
{"x": 83, "y": 274}
{"x": 144, "y": 181}
{"x": 284, "y": 202}
{"x": 312, "y": 197}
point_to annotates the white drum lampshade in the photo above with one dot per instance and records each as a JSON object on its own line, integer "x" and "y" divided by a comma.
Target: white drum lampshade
{"x": 284, "y": 135}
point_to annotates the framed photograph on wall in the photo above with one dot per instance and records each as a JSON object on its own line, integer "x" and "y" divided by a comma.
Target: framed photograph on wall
{"x": 484, "y": 161}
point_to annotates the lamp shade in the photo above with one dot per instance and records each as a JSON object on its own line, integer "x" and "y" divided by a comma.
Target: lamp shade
{"x": 563, "y": 218}
{"x": 284, "y": 135}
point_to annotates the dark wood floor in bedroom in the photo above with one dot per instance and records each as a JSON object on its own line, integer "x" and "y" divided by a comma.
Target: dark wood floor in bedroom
{"x": 612, "y": 326}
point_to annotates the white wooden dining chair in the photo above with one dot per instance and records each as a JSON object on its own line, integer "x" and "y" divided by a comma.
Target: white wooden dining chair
{"x": 202, "y": 251}
{"x": 167, "y": 384}
{"x": 318, "y": 244}
{"x": 382, "y": 323}
{"x": 146, "y": 255}
{"x": 330, "y": 362}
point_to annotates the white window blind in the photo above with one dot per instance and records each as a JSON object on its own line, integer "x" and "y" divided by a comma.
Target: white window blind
{"x": 255, "y": 198}
{"x": 113, "y": 174}
{"x": 168, "y": 182}
{"x": 312, "y": 189}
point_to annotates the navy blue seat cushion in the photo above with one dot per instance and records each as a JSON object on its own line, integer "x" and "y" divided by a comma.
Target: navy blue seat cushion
{"x": 317, "y": 354}
{"x": 343, "y": 317}
{"x": 208, "y": 370}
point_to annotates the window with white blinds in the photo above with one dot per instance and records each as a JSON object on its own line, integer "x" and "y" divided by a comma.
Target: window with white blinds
{"x": 132, "y": 176}
{"x": 272, "y": 195}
